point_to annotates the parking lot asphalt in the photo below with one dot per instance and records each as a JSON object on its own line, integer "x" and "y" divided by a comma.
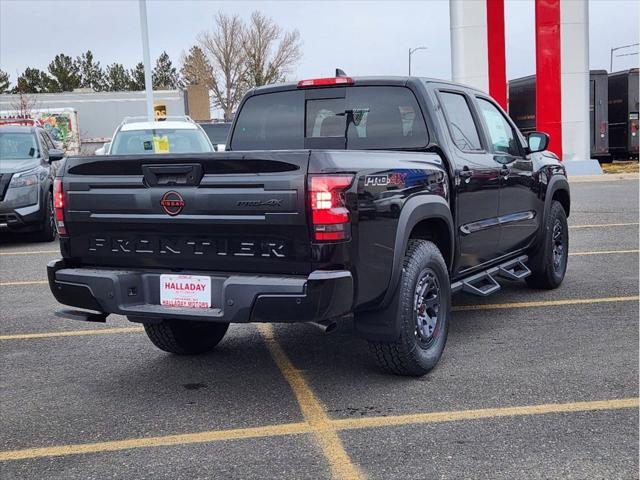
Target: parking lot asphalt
{"x": 532, "y": 384}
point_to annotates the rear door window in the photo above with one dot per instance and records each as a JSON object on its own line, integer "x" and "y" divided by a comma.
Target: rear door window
{"x": 365, "y": 118}
{"x": 464, "y": 132}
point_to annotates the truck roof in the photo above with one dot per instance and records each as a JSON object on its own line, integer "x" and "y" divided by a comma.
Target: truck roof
{"x": 381, "y": 80}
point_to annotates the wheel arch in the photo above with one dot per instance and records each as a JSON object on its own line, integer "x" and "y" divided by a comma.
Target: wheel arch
{"x": 425, "y": 217}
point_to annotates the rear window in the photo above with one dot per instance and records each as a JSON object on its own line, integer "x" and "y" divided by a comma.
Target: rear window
{"x": 365, "y": 118}
{"x": 135, "y": 142}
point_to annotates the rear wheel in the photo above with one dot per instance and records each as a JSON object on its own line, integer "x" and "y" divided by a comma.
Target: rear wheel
{"x": 184, "y": 337}
{"x": 424, "y": 311}
{"x": 549, "y": 263}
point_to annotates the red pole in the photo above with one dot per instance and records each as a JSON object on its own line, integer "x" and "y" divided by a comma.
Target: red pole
{"x": 496, "y": 53}
{"x": 548, "y": 86}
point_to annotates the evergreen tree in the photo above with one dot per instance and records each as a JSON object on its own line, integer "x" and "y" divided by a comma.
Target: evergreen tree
{"x": 66, "y": 72}
{"x": 117, "y": 78}
{"x": 91, "y": 74}
{"x": 137, "y": 77}
{"x": 4, "y": 81}
{"x": 196, "y": 69}
{"x": 165, "y": 76}
{"x": 34, "y": 80}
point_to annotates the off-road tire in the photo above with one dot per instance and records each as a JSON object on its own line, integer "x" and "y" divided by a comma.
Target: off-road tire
{"x": 409, "y": 355}
{"x": 546, "y": 272}
{"x": 48, "y": 233}
{"x": 185, "y": 337}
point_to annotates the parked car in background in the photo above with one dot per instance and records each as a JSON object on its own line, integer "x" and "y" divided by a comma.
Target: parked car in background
{"x": 28, "y": 164}
{"x": 137, "y": 135}
{"x": 217, "y": 133}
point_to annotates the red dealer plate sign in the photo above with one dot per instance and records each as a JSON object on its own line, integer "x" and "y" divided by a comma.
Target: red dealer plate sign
{"x": 186, "y": 291}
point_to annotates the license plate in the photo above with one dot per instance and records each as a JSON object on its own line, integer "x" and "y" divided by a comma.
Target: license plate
{"x": 186, "y": 291}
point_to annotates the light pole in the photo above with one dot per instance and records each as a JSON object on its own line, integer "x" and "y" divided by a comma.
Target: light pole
{"x": 411, "y": 52}
{"x": 144, "y": 31}
{"x": 625, "y": 55}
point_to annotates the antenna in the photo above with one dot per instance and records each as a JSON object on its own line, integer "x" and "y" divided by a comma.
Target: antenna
{"x": 340, "y": 73}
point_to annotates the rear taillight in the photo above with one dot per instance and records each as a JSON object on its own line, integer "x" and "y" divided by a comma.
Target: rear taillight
{"x": 325, "y": 82}
{"x": 329, "y": 214}
{"x": 58, "y": 205}
{"x": 603, "y": 128}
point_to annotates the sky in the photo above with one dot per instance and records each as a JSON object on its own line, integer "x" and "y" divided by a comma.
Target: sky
{"x": 361, "y": 37}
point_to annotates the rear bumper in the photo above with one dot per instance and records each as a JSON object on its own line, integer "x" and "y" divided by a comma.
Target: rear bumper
{"x": 236, "y": 298}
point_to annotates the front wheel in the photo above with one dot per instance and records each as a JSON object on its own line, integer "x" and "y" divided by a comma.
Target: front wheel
{"x": 48, "y": 233}
{"x": 549, "y": 263}
{"x": 185, "y": 337}
{"x": 424, "y": 311}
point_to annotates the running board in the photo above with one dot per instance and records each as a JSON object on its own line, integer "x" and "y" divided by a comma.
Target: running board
{"x": 484, "y": 283}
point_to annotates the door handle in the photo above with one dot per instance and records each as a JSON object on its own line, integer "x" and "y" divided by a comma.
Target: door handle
{"x": 465, "y": 172}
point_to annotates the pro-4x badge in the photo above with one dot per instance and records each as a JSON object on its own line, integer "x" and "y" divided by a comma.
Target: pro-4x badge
{"x": 172, "y": 203}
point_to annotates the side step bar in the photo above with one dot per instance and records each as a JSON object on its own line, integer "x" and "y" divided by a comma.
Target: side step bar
{"x": 484, "y": 283}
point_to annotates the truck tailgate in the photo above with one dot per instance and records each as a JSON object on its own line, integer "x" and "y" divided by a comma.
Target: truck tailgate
{"x": 233, "y": 211}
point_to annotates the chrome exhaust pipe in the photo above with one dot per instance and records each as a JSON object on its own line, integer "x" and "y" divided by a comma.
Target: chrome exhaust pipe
{"x": 327, "y": 326}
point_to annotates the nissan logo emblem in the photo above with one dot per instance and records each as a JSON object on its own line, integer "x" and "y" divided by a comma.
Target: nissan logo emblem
{"x": 172, "y": 203}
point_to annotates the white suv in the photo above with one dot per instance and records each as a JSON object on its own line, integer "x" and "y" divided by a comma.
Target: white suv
{"x": 136, "y": 135}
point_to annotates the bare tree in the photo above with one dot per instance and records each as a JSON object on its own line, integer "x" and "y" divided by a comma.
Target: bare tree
{"x": 267, "y": 62}
{"x": 24, "y": 105}
{"x": 224, "y": 49}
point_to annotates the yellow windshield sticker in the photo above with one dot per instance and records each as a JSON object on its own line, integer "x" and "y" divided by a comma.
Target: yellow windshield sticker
{"x": 161, "y": 144}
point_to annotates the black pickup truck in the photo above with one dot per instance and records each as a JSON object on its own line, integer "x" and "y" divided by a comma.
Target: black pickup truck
{"x": 375, "y": 197}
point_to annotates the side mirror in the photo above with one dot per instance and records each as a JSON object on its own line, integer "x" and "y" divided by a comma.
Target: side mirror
{"x": 103, "y": 149}
{"x": 55, "y": 154}
{"x": 537, "y": 141}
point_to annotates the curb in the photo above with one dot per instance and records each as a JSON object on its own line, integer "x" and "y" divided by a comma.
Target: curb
{"x": 605, "y": 177}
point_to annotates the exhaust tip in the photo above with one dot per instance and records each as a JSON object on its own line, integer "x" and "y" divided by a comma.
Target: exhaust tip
{"x": 328, "y": 326}
{"x": 331, "y": 327}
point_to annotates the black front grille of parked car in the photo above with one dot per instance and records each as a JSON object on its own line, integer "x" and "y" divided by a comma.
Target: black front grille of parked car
{"x": 4, "y": 184}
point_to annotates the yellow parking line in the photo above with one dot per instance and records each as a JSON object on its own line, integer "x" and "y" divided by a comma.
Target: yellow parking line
{"x": 183, "y": 439}
{"x": 30, "y": 252}
{"x": 71, "y": 333}
{"x": 545, "y": 303}
{"x": 437, "y": 417}
{"x": 312, "y": 410}
{"x": 603, "y": 252}
{"x": 488, "y": 306}
{"x": 604, "y": 225}
{"x": 28, "y": 282}
{"x": 305, "y": 427}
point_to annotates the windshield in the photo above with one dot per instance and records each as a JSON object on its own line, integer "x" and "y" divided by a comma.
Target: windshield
{"x": 355, "y": 118}
{"x": 217, "y": 133}
{"x": 179, "y": 140}
{"x": 18, "y": 145}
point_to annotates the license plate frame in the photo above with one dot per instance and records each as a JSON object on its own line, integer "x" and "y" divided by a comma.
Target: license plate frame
{"x": 185, "y": 291}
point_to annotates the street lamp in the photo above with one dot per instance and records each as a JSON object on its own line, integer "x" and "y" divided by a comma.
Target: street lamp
{"x": 146, "y": 59}
{"x": 411, "y": 52}
{"x": 623, "y": 55}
